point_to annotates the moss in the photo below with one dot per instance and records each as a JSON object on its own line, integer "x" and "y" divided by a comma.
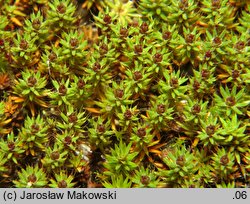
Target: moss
{"x": 157, "y": 92}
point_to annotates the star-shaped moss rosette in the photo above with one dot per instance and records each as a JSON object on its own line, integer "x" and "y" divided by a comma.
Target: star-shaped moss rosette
{"x": 24, "y": 50}
{"x": 100, "y": 134}
{"x": 61, "y": 13}
{"x": 120, "y": 160}
{"x": 72, "y": 120}
{"x": 223, "y": 163}
{"x": 145, "y": 178}
{"x": 36, "y": 27}
{"x": 31, "y": 177}
{"x": 124, "y": 11}
{"x": 234, "y": 130}
{"x": 181, "y": 163}
{"x": 62, "y": 180}
{"x": 55, "y": 157}
{"x": 231, "y": 101}
{"x": 209, "y": 132}
{"x": 12, "y": 148}
{"x": 125, "y": 94}
{"x": 73, "y": 48}
{"x": 33, "y": 135}
{"x": 30, "y": 90}
{"x": 63, "y": 94}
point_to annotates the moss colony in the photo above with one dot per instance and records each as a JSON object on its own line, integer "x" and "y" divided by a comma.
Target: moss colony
{"x": 112, "y": 93}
